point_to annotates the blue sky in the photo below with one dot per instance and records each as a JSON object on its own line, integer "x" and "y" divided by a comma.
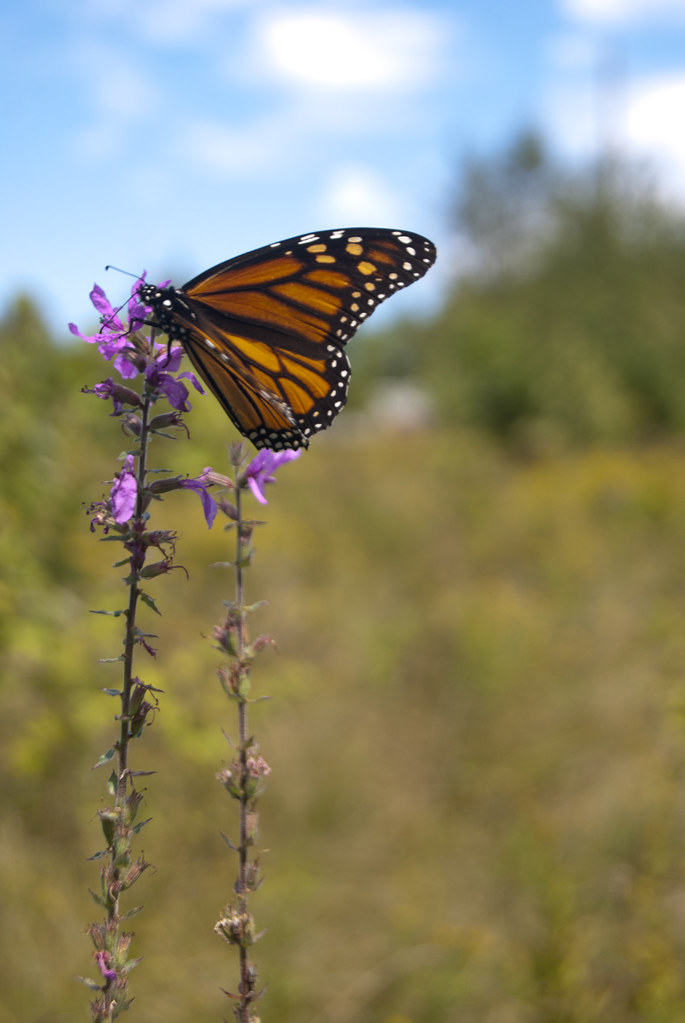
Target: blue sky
{"x": 172, "y": 134}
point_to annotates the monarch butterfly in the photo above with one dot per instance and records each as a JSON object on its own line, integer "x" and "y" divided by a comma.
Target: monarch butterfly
{"x": 266, "y": 330}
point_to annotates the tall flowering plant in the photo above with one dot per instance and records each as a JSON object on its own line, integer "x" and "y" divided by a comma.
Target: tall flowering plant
{"x": 124, "y": 516}
{"x": 244, "y": 779}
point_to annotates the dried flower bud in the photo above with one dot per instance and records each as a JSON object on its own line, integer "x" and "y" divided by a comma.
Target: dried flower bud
{"x": 235, "y": 927}
{"x": 132, "y": 425}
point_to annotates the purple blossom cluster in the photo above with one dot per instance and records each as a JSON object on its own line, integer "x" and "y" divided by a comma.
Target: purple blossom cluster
{"x": 159, "y": 363}
{"x": 115, "y": 340}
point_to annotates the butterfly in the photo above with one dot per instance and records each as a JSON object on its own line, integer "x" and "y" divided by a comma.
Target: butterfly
{"x": 266, "y": 331}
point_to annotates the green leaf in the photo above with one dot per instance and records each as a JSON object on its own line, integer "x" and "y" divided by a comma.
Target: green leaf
{"x": 97, "y": 856}
{"x": 105, "y": 758}
{"x": 147, "y": 599}
{"x": 92, "y": 984}
{"x": 132, "y": 912}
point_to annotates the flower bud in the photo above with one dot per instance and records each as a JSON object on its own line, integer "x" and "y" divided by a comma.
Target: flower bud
{"x": 166, "y": 420}
{"x": 157, "y": 568}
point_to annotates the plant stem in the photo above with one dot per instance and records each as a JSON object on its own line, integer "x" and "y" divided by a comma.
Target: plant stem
{"x": 119, "y": 873}
{"x": 245, "y": 985}
{"x": 134, "y": 594}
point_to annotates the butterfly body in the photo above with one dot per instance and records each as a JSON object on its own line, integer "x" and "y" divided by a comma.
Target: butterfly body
{"x": 266, "y": 330}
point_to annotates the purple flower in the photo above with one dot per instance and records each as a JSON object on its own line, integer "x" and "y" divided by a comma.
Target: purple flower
{"x": 109, "y": 317}
{"x": 137, "y": 312}
{"x": 168, "y": 360}
{"x": 119, "y": 394}
{"x": 189, "y": 375}
{"x": 168, "y": 357}
{"x": 260, "y": 470}
{"x": 124, "y": 367}
{"x": 161, "y": 380}
{"x": 124, "y": 493}
{"x": 102, "y": 959}
{"x": 112, "y": 338}
{"x": 200, "y": 485}
{"x": 161, "y": 371}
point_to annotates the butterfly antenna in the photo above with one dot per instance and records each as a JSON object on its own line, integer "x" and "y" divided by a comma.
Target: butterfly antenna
{"x": 115, "y": 312}
{"x": 119, "y": 270}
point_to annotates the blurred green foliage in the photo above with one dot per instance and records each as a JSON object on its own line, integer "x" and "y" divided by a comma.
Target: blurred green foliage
{"x": 567, "y": 318}
{"x": 476, "y": 724}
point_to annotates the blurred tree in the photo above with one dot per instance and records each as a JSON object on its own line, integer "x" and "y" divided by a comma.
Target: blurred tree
{"x": 503, "y": 207}
{"x": 565, "y": 321}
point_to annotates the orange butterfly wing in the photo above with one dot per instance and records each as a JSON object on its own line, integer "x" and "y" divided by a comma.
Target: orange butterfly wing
{"x": 266, "y": 330}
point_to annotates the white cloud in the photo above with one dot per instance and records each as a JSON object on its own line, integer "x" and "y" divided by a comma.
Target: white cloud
{"x": 652, "y": 120}
{"x": 350, "y": 51}
{"x": 569, "y": 116}
{"x": 225, "y": 149}
{"x": 585, "y": 100}
{"x": 123, "y": 91}
{"x": 114, "y": 83}
{"x": 620, "y": 12}
{"x": 641, "y": 120}
{"x": 117, "y": 93}
{"x": 182, "y": 21}
{"x": 300, "y": 130}
{"x": 573, "y": 52}
{"x": 164, "y": 22}
{"x": 355, "y": 194}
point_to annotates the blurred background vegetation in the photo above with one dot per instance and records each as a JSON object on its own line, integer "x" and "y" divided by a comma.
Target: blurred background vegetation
{"x": 476, "y": 583}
